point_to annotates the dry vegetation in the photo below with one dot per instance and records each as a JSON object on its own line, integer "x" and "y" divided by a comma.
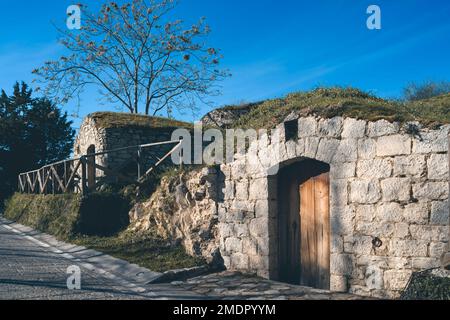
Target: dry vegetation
{"x": 348, "y": 102}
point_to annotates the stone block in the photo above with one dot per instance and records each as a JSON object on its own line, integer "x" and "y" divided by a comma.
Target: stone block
{"x": 307, "y": 127}
{"x": 438, "y": 167}
{"x": 395, "y": 145}
{"x": 396, "y": 279}
{"x": 367, "y": 149}
{"x": 331, "y": 127}
{"x": 408, "y": 248}
{"x": 358, "y": 244}
{"x": 225, "y": 230}
{"x": 416, "y": 213}
{"x": 327, "y": 150}
{"x": 365, "y": 213}
{"x": 338, "y": 192}
{"x": 374, "y": 277}
{"x": 291, "y": 149}
{"x": 239, "y": 261}
{"x": 390, "y": 212}
{"x": 413, "y": 165}
{"x": 440, "y": 213}
{"x": 259, "y": 262}
{"x": 430, "y": 190}
{"x": 240, "y": 230}
{"x": 341, "y": 264}
{"x": 431, "y": 141}
{"x": 354, "y": 128}
{"x": 259, "y": 227}
{"x": 396, "y": 189}
{"x": 342, "y": 220}
{"x": 233, "y": 245}
{"x": 437, "y": 248}
{"x": 259, "y": 189}
{"x": 382, "y": 128}
{"x": 425, "y": 263}
{"x": 262, "y": 209}
{"x": 242, "y": 189}
{"x": 336, "y": 243}
{"x": 311, "y": 145}
{"x": 365, "y": 191}
{"x": 238, "y": 169}
{"x": 338, "y": 283}
{"x": 376, "y": 229}
{"x": 401, "y": 230}
{"x": 429, "y": 233}
{"x": 228, "y": 190}
{"x": 263, "y": 246}
{"x": 343, "y": 170}
{"x": 376, "y": 168}
{"x": 249, "y": 246}
{"x": 347, "y": 151}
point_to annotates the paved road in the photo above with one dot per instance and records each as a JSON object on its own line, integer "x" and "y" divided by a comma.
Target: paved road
{"x": 31, "y": 272}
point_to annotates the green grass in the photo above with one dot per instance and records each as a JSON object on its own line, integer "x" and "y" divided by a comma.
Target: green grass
{"x": 347, "y": 102}
{"x": 54, "y": 214}
{"x": 148, "y": 251}
{"x": 119, "y": 120}
{"x": 97, "y": 222}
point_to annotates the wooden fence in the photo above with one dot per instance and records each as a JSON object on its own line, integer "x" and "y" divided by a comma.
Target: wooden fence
{"x": 79, "y": 175}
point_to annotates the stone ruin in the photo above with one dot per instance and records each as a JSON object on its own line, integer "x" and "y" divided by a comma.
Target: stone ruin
{"x": 387, "y": 201}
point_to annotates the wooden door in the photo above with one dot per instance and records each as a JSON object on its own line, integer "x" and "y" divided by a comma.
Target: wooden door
{"x": 315, "y": 232}
{"x": 304, "y": 224}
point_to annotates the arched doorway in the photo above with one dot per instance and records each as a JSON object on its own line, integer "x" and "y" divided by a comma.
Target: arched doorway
{"x": 304, "y": 224}
{"x": 91, "y": 170}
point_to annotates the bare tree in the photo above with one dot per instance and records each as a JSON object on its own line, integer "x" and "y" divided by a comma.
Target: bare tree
{"x": 426, "y": 90}
{"x": 137, "y": 57}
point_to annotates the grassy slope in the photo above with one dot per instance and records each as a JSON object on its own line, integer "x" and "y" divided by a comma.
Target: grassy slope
{"x": 148, "y": 251}
{"x": 118, "y": 120}
{"x": 348, "y": 102}
{"x": 62, "y": 216}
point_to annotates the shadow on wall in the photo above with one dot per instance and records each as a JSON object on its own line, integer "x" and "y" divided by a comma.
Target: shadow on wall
{"x": 103, "y": 214}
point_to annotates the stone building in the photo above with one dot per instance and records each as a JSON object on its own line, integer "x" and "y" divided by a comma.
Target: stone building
{"x": 365, "y": 204}
{"x": 353, "y": 206}
{"x": 106, "y": 131}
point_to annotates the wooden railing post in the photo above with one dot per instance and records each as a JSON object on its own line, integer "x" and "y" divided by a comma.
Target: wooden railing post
{"x": 139, "y": 155}
{"x": 84, "y": 187}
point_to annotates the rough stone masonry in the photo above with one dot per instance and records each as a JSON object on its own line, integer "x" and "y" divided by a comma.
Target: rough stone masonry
{"x": 388, "y": 181}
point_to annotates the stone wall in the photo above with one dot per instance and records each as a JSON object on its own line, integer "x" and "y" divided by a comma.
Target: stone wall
{"x": 387, "y": 181}
{"x": 106, "y": 139}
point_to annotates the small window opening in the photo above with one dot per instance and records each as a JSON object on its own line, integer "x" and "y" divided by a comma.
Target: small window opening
{"x": 291, "y": 130}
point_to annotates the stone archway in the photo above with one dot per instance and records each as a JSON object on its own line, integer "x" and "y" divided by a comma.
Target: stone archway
{"x": 303, "y": 199}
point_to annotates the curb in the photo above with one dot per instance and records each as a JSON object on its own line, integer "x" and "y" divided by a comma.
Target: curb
{"x": 181, "y": 274}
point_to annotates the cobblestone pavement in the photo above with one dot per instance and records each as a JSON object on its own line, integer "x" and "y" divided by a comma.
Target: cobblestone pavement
{"x": 30, "y": 271}
{"x": 233, "y": 285}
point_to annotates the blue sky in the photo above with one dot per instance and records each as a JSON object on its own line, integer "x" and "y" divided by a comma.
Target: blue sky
{"x": 271, "y": 47}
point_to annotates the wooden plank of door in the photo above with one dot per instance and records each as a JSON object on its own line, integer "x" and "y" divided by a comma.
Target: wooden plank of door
{"x": 293, "y": 232}
{"x": 322, "y": 229}
{"x": 282, "y": 230}
{"x": 308, "y": 241}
